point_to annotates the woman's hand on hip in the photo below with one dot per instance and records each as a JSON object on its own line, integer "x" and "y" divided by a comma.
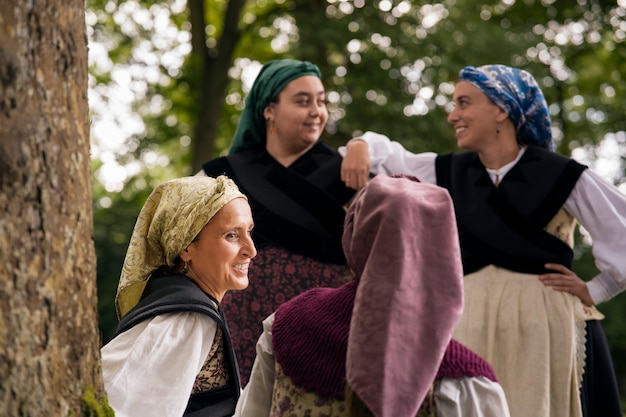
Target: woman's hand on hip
{"x": 565, "y": 280}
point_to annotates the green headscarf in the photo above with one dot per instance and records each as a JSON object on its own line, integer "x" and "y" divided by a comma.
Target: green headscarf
{"x": 272, "y": 79}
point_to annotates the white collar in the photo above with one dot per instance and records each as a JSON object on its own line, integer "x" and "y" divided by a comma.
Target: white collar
{"x": 496, "y": 175}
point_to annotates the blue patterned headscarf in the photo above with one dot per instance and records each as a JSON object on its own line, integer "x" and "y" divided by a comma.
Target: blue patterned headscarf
{"x": 516, "y": 91}
{"x": 273, "y": 78}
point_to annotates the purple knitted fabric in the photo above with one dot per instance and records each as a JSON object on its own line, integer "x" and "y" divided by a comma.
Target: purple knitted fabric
{"x": 310, "y": 335}
{"x": 459, "y": 361}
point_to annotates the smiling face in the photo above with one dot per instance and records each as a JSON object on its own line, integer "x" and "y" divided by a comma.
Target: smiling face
{"x": 296, "y": 122}
{"x": 219, "y": 257}
{"x": 474, "y": 117}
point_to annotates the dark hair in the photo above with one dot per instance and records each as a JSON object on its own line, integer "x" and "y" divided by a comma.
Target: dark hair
{"x": 165, "y": 270}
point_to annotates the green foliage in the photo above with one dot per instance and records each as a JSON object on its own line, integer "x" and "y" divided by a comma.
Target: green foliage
{"x": 387, "y": 67}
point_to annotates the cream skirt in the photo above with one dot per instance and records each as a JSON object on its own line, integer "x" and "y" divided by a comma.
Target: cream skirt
{"x": 533, "y": 336}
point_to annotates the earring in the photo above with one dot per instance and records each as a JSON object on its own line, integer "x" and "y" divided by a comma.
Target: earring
{"x": 497, "y": 128}
{"x": 185, "y": 267}
{"x": 272, "y": 125}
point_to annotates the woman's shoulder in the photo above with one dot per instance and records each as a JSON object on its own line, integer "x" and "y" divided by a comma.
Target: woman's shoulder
{"x": 217, "y": 166}
{"x": 166, "y": 294}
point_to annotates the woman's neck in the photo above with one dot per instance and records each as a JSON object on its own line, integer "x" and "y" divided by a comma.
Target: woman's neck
{"x": 284, "y": 160}
{"x": 497, "y": 155}
{"x": 284, "y": 157}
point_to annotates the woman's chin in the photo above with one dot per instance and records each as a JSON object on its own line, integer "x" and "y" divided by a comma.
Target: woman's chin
{"x": 241, "y": 284}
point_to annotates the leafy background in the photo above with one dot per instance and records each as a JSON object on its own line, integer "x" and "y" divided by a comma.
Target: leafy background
{"x": 168, "y": 80}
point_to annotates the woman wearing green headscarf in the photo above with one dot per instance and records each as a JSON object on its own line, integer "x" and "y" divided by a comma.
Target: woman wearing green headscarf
{"x": 294, "y": 188}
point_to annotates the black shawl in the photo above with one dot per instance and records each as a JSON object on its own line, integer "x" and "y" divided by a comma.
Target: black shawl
{"x": 300, "y": 207}
{"x": 504, "y": 225}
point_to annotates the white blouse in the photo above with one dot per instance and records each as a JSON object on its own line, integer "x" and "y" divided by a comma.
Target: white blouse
{"x": 597, "y": 205}
{"x": 150, "y": 369}
{"x": 458, "y": 397}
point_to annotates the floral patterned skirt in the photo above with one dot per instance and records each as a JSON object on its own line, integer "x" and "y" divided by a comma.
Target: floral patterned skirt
{"x": 276, "y": 276}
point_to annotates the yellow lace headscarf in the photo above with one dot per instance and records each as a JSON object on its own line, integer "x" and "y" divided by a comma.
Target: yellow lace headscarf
{"x": 171, "y": 218}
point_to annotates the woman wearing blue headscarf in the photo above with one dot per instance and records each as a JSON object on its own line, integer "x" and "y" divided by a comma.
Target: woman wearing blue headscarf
{"x": 292, "y": 181}
{"x": 517, "y": 203}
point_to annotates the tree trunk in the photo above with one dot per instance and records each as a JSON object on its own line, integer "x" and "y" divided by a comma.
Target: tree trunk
{"x": 49, "y": 342}
{"x": 215, "y": 63}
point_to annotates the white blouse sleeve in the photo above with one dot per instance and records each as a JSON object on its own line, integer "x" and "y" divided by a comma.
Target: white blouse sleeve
{"x": 256, "y": 398}
{"x": 601, "y": 209}
{"x": 470, "y": 397}
{"x": 150, "y": 369}
{"x": 389, "y": 158}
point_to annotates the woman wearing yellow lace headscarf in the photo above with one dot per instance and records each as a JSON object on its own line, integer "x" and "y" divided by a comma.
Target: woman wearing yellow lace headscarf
{"x": 172, "y": 354}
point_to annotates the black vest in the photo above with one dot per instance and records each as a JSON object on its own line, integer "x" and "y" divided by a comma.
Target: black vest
{"x": 173, "y": 294}
{"x": 298, "y": 208}
{"x": 504, "y": 225}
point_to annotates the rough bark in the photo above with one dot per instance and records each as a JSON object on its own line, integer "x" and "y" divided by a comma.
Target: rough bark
{"x": 214, "y": 63}
{"x": 49, "y": 357}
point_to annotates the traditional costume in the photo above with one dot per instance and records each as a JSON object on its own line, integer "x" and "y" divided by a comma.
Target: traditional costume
{"x": 172, "y": 354}
{"x": 385, "y": 334}
{"x": 548, "y": 349}
{"x": 298, "y": 213}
